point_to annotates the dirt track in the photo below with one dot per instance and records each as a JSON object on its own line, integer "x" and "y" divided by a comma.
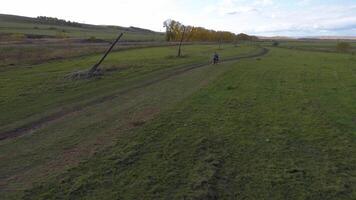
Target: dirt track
{"x": 57, "y": 115}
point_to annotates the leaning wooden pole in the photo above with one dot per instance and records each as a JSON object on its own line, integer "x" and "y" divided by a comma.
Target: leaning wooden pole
{"x": 96, "y": 66}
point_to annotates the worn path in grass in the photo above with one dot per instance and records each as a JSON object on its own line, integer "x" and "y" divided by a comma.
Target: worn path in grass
{"x": 40, "y": 122}
{"x": 29, "y": 93}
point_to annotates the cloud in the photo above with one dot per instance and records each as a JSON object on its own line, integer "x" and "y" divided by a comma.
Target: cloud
{"x": 315, "y": 20}
{"x": 263, "y": 2}
{"x": 260, "y": 17}
{"x": 243, "y": 10}
{"x": 304, "y": 17}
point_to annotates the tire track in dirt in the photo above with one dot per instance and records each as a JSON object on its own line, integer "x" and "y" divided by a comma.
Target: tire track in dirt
{"x": 22, "y": 130}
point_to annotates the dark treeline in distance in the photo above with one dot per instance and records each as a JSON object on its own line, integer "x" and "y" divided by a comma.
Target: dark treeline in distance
{"x": 56, "y": 21}
{"x": 175, "y": 30}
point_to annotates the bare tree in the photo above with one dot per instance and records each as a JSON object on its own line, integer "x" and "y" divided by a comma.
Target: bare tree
{"x": 180, "y": 44}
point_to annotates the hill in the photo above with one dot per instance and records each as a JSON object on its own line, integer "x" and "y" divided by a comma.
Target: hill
{"x": 47, "y": 27}
{"x": 245, "y": 37}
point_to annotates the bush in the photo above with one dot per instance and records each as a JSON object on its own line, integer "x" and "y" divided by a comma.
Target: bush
{"x": 61, "y": 35}
{"x": 275, "y": 44}
{"x": 343, "y": 47}
{"x": 17, "y": 36}
{"x": 92, "y": 39}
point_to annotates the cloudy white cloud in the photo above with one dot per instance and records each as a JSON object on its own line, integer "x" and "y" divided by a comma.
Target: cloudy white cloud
{"x": 260, "y": 17}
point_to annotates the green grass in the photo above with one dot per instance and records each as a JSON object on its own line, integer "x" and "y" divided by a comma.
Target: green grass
{"x": 28, "y": 92}
{"x": 282, "y": 126}
{"x": 317, "y": 45}
{"x": 23, "y": 25}
{"x": 62, "y": 144}
{"x": 17, "y": 55}
{"x": 279, "y": 127}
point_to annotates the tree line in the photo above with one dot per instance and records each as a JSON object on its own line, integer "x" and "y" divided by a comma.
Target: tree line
{"x": 56, "y": 21}
{"x": 176, "y": 31}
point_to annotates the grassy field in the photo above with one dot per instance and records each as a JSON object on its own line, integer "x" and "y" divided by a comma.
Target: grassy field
{"x": 27, "y": 91}
{"x": 17, "y": 25}
{"x": 276, "y": 124}
{"x": 141, "y": 83}
{"x": 278, "y": 127}
{"x": 14, "y": 55}
{"x": 27, "y": 41}
{"x": 316, "y": 45}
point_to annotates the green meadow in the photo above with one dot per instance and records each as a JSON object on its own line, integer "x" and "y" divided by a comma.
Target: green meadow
{"x": 266, "y": 122}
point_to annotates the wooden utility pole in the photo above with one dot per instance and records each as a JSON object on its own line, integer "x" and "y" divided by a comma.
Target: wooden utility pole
{"x": 96, "y": 66}
{"x": 180, "y": 44}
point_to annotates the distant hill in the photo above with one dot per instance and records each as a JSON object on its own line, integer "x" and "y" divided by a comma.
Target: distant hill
{"x": 276, "y": 38}
{"x": 308, "y": 38}
{"x": 331, "y": 37}
{"x": 49, "y": 27}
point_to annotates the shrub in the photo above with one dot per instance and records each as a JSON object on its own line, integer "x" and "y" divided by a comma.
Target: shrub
{"x": 61, "y": 35}
{"x": 275, "y": 44}
{"x": 343, "y": 47}
{"x": 17, "y": 36}
{"x": 92, "y": 39}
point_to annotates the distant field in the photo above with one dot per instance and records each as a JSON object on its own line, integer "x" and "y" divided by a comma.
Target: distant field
{"x": 316, "y": 45}
{"x": 28, "y": 26}
{"x": 25, "y": 41}
{"x": 36, "y": 52}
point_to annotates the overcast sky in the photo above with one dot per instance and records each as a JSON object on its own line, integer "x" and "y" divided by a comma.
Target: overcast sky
{"x": 259, "y": 17}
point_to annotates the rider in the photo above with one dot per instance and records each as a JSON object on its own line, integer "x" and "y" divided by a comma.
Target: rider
{"x": 215, "y": 58}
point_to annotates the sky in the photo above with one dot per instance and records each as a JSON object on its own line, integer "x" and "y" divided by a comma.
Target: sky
{"x": 296, "y": 18}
